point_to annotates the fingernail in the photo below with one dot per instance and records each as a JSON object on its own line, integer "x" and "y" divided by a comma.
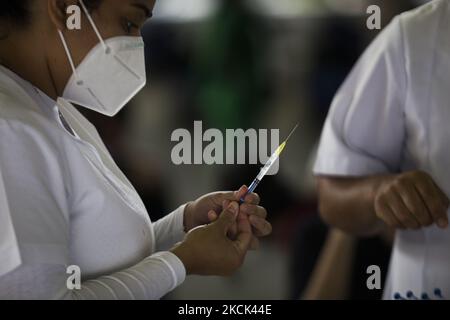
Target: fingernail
{"x": 442, "y": 223}
{"x": 211, "y": 212}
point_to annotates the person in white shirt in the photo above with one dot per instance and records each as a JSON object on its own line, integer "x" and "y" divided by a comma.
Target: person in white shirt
{"x": 383, "y": 158}
{"x": 63, "y": 200}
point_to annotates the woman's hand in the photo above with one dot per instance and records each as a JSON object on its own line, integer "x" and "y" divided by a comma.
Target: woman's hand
{"x": 204, "y": 210}
{"x": 411, "y": 200}
{"x": 207, "y": 250}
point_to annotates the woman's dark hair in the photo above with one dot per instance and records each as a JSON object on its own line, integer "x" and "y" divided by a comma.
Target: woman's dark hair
{"x": 15, "y": 11}
{"x": 18, "y": 11}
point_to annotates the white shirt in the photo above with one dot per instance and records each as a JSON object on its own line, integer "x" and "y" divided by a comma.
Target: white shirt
{"x": 391, "y": 115}
{"x": 63, "y": 202}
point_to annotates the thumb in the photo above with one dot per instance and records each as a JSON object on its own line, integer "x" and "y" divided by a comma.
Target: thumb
{"x": 212, "y": 216}
{"x": 241, "y": 192}
{"x": 243, "y": 242}
{"x": 232, "y": 195}
{"x": 228, "y": 217}
{"x": 245, "y": 234}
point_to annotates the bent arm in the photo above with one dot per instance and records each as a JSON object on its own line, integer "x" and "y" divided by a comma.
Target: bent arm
{"x": 348, "y": 203}
{"x": 364, "y": 136}
{"x": 150, "y": 279}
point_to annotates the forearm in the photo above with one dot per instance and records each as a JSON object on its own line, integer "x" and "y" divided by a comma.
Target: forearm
{"x": 348, "y": 203}
{"x": 332, "y": 274}
{"x": 151, "y": 278}
{"x": 170, "y": 229}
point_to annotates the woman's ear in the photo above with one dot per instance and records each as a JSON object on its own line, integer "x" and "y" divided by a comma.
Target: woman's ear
{"x": 57, "y": 11}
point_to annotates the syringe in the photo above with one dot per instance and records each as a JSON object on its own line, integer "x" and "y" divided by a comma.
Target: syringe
{"x": 273, "y": 158}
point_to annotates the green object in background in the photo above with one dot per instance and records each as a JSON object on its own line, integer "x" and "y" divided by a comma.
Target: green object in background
{"x": 228, "y": 68}
{"x": 220, "y": 104}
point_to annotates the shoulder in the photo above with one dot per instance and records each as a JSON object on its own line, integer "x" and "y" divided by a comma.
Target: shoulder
{"x": 31, "y": 144}
{"x": 427, "y": 13}
{"x": 424, "y": 23}
{"x": 33, "y": 158}
{"x": 22, "y": 119}
{"x": 417, "y": 27}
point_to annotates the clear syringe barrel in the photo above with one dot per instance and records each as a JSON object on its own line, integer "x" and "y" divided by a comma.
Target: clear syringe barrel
{"x": 267, "y": 166}
{"x": 261, "y": 174}
{"x": 273, "y": 158}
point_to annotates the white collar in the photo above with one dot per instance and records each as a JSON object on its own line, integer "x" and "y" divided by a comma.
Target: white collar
{"x": 40, "y": 99}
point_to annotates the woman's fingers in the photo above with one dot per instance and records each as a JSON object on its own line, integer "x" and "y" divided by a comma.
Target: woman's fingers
{"x": 257, "y": 216}
{"x": 232, "y": 230}
{"x": 253, "y": 210}
{"x": 240, "y": 193}
{"x": 252, "y": 198}
{"x": 407, "y": 218}
{"x": 385, "y": 213}
{"x": 412, "y": 200}
{"x": 416, "y": 206}
{"x": 261, "y": 227}
{"x": 435, "y": 200}
{"x": 232, "y": 195}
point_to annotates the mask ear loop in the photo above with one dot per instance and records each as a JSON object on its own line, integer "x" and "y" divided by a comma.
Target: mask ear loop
{"x": 66, "y": 47}
{"x": 79, "y": 81}
{"x": 91, "y": 21}
{"x": 69, "y": 56}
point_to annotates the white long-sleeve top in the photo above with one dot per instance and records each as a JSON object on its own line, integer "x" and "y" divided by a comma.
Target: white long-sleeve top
{"x": 64, "y": 202}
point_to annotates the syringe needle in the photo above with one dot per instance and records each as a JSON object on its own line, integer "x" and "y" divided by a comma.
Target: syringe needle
{"x": 292, "y": 132}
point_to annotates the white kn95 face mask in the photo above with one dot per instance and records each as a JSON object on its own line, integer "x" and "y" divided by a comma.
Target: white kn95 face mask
{"x": 111, "y": 74}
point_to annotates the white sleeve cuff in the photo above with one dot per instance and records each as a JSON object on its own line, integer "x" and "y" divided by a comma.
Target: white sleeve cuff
{"x": 174, "y": 264}
{"x": 348, "y": 164}
{"x": 336, "y": 158}
{"x": 170, "y": 229}
{"x": 178, "y": 228}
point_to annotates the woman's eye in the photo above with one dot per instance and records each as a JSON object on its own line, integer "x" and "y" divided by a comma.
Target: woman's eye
{"x": 129, "y": 27}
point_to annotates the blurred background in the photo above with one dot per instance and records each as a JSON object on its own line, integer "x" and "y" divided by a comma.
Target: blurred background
{"x": 260, "y": 64}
